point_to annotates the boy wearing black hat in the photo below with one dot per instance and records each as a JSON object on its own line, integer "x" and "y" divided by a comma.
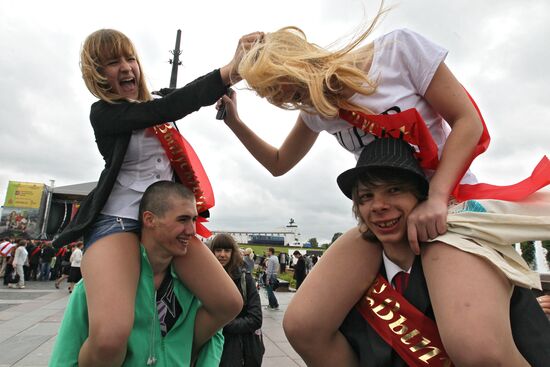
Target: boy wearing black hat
{"x": 396, "y": 327}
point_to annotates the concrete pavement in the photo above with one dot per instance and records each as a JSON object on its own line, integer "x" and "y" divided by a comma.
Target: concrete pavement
{"x": 30, "y": 318}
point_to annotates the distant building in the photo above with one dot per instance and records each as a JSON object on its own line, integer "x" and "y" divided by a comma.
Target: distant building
{"x": 286, "y": 236}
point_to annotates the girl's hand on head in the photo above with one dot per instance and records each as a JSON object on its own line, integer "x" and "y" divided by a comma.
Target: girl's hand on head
{"x": 427, "y": 221}
{"x": 230, "y": 74}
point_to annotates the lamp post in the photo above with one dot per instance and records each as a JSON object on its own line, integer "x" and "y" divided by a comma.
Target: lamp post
{"x": 176, "y": 61}
{"x": 43, "y": 235}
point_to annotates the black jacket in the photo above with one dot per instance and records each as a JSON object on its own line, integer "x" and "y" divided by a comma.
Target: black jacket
{"x": 113, "y": 125}
{"x": 247, "y": 322}
{"x": 530, "y": 327}
{"x": 300, "y": 269}
{"x": 46, "y": 254}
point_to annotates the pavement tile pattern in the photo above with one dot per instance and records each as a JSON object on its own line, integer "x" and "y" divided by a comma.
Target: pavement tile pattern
{"x": 30, "y": 318}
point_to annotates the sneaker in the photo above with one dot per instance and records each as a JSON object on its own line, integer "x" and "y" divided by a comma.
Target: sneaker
{"x": 22, "y": 287}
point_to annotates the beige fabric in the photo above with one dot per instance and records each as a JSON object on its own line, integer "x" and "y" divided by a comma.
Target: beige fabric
{"x": 490, "y": 234}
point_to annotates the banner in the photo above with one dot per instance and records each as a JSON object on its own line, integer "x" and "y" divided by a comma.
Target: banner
{"x": 24, "y": 195}
{"x": 20, "y": 222}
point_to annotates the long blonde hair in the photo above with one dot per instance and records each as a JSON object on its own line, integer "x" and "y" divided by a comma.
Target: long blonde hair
{"x": 292, "y": 73}
{"x": 98, "y": 48}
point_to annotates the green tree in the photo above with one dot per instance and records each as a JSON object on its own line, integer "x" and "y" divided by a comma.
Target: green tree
{"x": 528, "y": 252}
{"x": 313, "y": 242}
{"x": 335, "y": 237}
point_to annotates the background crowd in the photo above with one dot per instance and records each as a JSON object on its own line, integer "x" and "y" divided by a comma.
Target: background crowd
{"x": 23, "y": 260}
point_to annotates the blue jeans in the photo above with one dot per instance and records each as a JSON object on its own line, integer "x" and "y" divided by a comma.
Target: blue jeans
{"x": 45, "y": 271}
{"x": 106, "y": 225}
{"x": 270, "y": 294}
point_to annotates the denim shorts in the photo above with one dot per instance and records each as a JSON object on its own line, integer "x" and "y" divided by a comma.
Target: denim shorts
{"x": 105, "y": 225}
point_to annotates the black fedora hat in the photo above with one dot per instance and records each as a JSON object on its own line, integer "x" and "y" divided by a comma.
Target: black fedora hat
{"x": 383, "y": 153}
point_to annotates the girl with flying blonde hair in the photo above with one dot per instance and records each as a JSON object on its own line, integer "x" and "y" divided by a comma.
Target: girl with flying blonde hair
{"x": 356, "y": 93}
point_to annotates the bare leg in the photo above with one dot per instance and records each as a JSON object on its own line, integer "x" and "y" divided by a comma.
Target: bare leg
{"x": 60, "y": 280}
{"x": 471, "y": 302}
{"x": 332, "y": 288}
{"x": 203, "y": 274}
{"x": 110, "y": 269}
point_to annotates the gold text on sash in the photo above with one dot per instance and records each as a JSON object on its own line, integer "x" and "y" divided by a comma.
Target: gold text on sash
{"x": 388, "y": 311}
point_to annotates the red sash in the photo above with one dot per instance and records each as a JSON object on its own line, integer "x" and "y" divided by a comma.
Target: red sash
{"x": 2, "y": 249}
{"x": 35, "y": 251}
{"x": 189, "y": 169}
{"x": 410, "y": 126}
{"x": 61, "y": 252}
{"x": 412, "y": 335}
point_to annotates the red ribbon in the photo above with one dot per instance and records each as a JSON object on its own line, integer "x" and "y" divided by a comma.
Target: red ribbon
{"x": 410, "y": 126}
{"x": 407, "y": 125}
{"x": 410, "y": 333}
{"x": 188, "y": 168}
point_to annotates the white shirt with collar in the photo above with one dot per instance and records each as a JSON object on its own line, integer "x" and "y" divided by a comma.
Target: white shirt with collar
{"x": 392, "y": 269}
{"x": 145, "y": 163}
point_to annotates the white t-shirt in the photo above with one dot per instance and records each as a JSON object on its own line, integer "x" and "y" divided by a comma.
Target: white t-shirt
{"x": 21, "y": 256}
{"x": 403, "y": 66}
{"x": 76, "y": 258}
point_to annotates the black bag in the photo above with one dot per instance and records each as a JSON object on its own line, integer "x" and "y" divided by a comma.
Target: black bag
{"x": 14, "y": 278}
{"x": 253, "y": 348}
{"x": 275, "y": 283}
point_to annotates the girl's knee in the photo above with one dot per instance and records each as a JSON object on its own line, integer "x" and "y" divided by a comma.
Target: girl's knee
{"x": 489, "y": 351}
{"x": 291, "y": 326}
{"x": 299, "y": 329}
{"x": 110, "y": 340}
{"x": 479, "y": 358}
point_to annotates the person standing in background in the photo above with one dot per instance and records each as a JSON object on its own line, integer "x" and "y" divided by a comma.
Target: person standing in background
{"x": 299, "y": 268}
{"x": 249, "y": 260}
{"x": 283, "y": 259}
{"x": 34, "y": 261}
{"x": 3, "y": 258}
{"x": 46, "y": 255}
{"x": 19, "y": 260}
{"x": 76, "y": 258}
{"x": 9, "y": 266}
{"x": 244, "y": 332}
{"x": 271, "y": 278}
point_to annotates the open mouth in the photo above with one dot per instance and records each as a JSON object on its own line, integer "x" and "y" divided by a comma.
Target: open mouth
{"x": 386, "y": 226}
{"x": 127, "y": 84}
{"x": 183, "y": 240}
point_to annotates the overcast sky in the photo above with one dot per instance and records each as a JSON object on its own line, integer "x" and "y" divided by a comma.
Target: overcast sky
{"x": 497, "y": 49}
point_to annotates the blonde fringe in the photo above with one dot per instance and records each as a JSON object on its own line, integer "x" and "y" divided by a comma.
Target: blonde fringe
{"x": 98, "y": 48}
{"x": 292, "y": 73}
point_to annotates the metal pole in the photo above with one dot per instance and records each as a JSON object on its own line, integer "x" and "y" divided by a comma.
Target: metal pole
{"x": 176, "y": 62}
{"x": 43, "y": 234}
